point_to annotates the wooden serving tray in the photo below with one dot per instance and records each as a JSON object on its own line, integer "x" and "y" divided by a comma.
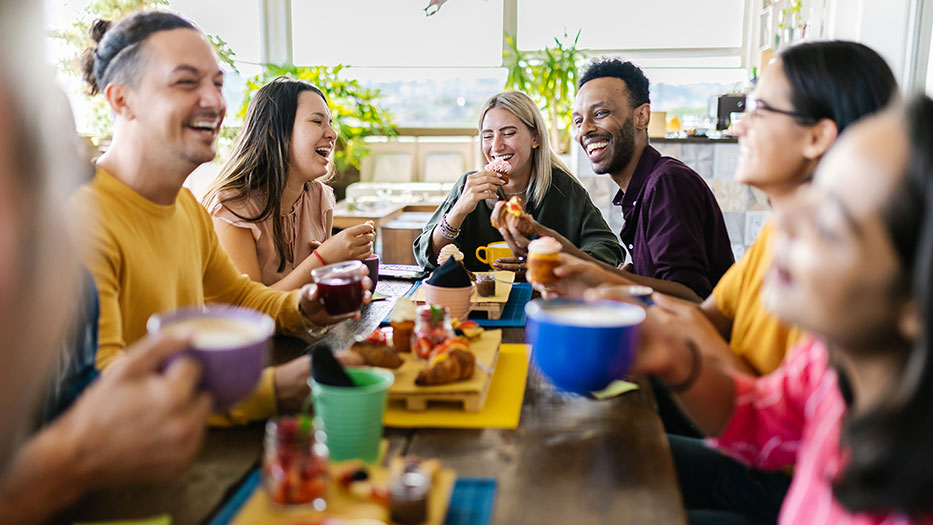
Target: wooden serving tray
{"x": 493, "y": 305}
{"x": 340, "y": 504}
{"x": 470, "y": 393}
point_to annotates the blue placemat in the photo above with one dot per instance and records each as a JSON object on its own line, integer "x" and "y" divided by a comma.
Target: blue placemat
{"x": 512, "y": 317}
{"x": 471, "y": 502}
{"x": 239, "y": 498}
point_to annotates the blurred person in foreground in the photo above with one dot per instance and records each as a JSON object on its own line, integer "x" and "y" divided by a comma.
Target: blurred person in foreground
{"x": 850, "y": 408}
{"x": 139, "y": 423}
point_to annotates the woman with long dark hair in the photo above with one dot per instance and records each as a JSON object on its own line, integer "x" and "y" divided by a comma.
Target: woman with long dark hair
{"x": 851, "y": 408}
{"x": 271, "y": 209}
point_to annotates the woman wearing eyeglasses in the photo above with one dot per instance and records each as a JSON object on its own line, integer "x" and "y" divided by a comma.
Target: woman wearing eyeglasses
{"x": 805, "y": 98}
{"x": 803, "y": 101}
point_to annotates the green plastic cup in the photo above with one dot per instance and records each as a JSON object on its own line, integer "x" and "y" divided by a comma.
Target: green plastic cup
{"x": 352, "y": 417}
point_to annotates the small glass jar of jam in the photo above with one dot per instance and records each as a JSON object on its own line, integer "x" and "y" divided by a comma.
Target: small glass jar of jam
{"x": 408, "y": 494}
{"x": 294, "y": 466}
{"x": 432, "y": 327}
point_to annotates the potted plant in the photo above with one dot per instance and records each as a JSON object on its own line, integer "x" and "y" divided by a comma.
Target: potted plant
{"x": 354, "y": 108}
{"x": 549, "y": 77}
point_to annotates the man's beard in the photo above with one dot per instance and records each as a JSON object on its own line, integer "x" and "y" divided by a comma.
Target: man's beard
{"x": 623, "y": 148}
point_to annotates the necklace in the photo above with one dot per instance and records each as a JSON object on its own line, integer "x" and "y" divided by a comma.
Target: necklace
{"x": 516, "y": 194}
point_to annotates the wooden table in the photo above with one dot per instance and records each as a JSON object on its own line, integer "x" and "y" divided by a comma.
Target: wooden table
{"x": 571, "y": 460}
{"x": 344, "y": 218}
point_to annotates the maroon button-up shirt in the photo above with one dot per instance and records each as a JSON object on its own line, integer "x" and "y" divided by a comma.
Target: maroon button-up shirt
{"x": 674, "y": 228}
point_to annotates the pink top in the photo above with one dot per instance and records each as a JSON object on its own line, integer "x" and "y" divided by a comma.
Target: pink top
{"x": 304, "y": 223}
{"x": 793, "y": 416}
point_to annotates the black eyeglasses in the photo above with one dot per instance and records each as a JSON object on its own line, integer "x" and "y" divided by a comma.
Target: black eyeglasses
{"x": 754, "y": 107}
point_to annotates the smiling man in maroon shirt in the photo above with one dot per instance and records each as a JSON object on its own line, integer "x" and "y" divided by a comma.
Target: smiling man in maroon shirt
{"x": 674, "y": 230}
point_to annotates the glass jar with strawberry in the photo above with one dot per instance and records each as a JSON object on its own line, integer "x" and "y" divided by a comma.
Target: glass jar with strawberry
{"x": 294, "y": 468}
{"x": 432, "y": 328}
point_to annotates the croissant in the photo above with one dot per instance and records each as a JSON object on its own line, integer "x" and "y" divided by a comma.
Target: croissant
{"x": 380, "y": 355}
{"x": 511, "y": 214}
{"x": 448, "y": 367}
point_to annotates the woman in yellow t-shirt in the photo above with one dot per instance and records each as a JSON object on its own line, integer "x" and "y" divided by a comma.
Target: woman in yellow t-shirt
{"x": 803, "y": 101}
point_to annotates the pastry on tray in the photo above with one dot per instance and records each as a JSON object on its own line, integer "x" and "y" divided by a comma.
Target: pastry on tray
{"x": 468, "y": 329}
{"x": 447, "y": 367}
{"x": 376, "y": 351}
{"x": 403, "y": 324}
{"x": 512, "y": 214}
{"x": 448, "y": 251}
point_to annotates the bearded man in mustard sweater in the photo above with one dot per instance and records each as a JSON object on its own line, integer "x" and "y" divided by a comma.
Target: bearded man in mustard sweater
{"x": 149, "y": 244}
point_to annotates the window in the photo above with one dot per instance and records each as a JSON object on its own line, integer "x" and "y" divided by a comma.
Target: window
{"x": 465, "y": 33}
{"x": 629, "y": 24}
{"x": 689, "y": 50}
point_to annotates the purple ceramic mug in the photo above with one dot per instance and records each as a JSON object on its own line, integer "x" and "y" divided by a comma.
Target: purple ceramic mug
{"x": 229, "y": 342}
{"x": 372, "y": 262}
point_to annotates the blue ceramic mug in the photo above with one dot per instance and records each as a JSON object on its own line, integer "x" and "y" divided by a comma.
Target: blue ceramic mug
{"x": 583, "y": 346}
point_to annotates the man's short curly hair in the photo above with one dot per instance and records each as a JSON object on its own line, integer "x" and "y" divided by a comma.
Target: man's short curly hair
{"x": 634, "y": 78}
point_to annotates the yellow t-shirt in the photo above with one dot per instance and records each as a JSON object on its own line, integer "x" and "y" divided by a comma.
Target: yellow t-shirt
{"x": 757, "y": 336}
{"x": 148, "y": 258}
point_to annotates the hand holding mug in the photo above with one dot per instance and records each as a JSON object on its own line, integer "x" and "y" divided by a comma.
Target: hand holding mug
{"x": 337, "y": 294}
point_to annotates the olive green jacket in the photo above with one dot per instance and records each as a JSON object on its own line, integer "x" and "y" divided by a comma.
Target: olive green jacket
{"x": 566, "y": 208}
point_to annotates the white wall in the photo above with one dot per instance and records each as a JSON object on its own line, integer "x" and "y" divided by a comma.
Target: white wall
{"x": 883, "y": 25}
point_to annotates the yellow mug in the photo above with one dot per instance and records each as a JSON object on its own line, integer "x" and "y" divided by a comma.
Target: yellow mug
{"x": 493, "y": 251}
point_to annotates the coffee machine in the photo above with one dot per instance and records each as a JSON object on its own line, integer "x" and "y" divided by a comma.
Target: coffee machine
{"x": 722, "y": 107}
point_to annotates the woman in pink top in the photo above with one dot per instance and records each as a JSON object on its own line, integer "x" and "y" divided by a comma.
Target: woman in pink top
{"x": 852, "y": 411}
{"x": 271, "y": 209}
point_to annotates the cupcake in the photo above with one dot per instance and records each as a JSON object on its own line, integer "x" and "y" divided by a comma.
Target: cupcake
{"x": 403, "y": 324}
{"x": 503, "y": 168}
{"x": 542, "y": 259}
{"x": 448, "y": 251}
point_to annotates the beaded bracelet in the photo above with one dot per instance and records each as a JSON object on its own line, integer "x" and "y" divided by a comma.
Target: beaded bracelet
{"x": 448, "y": 231}
{"x": 446, "y": 235}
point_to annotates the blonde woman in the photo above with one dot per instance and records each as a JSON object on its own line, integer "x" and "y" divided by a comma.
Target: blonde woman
{"x": 512, "y": 130}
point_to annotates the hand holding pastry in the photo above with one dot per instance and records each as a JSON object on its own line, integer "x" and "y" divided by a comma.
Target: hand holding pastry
{"x": 512, "y": 215}
{"x": 479, "y": 186}
{"x": 574, "y": 277}
{"x": 501, "y": 168}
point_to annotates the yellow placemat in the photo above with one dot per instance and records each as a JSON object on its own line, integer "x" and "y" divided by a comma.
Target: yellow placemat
{"x": 503, "y": 402}
{"x": 504, "y": 281}
{"x": 258, "y": 509}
